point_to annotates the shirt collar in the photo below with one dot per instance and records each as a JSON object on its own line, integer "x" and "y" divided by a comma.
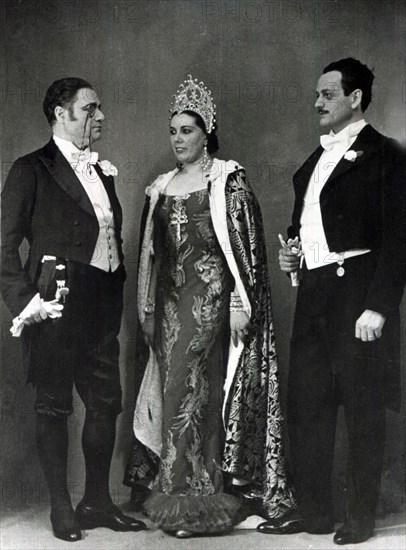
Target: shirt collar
{"x": 67, "y": 148}
{"x": 352, "y": 130}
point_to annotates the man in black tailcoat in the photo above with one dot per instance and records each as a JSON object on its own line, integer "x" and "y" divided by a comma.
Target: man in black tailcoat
{"x": 63, "y": 202}
{"x": 350, "y": 219}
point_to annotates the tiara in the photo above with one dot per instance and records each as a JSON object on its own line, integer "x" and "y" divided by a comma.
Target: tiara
{"x": 194, "y": 96}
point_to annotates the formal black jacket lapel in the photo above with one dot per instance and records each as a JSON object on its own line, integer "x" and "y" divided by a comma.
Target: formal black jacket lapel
{"x": 64, "y": 175}
{"x": 302, "y": 176}
{"x": 365, "y": 145}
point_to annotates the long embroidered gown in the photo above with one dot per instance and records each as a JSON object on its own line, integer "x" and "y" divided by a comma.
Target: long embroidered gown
{"x": 192, "y": 305}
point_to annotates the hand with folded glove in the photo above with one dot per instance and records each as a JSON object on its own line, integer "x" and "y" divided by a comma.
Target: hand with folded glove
{"x": 36, "y": 312}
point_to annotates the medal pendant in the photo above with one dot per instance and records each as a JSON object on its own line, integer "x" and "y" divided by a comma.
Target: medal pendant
{"x": 340, "y": 271}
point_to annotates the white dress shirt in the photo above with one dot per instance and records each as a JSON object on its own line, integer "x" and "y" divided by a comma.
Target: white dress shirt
{"x": 105, "y": 255}
{"x": 312, "y": 236}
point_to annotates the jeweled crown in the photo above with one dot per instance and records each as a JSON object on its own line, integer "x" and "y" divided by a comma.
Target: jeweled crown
{"x": 194, "y": 96}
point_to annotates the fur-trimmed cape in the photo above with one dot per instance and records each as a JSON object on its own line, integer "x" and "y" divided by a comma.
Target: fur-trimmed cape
{"x": 252, "y": 412}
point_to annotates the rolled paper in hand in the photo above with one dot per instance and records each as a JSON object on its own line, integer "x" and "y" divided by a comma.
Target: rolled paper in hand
{"x": 294, "y": 277}
{"x": 295, "y": 246}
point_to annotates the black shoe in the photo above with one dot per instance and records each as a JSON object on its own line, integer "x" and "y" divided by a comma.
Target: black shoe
{"x": 109, "y": 516}
{"x": 64, "y": 524}
{"x": 252, "y": 503}
{"x": 354, "y": 533}
{"x": 292, "y": 522}
{"x": 288, "y": 524}
{"x": 183, "y": 534}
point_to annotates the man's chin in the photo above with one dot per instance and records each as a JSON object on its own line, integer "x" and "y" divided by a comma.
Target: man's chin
{"x": 324, "y": 123}
{"x": 95, "y": 137}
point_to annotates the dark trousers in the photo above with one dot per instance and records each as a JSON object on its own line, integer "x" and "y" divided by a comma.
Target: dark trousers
{"x": 328, "y": 366}
{"x": 80, "y": 348}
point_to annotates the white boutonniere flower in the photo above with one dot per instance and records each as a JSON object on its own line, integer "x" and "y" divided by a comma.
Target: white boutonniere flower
{"x": 351, "y": 155}
{"x": 108, "y": 169}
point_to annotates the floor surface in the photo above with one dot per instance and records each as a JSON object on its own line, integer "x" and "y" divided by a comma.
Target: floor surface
{"x": 31, "y": 530}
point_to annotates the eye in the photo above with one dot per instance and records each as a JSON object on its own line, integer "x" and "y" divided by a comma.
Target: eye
{"x": 91, "y": 110}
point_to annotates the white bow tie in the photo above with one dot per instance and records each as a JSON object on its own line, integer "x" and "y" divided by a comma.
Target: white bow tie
{"x": 327, "y": 141}
{"x": 85, "y": 157}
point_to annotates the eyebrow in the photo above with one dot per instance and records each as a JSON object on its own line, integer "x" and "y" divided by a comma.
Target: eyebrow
{"x": 184, "y": 126}
{"x": 92, "y": 104}
{"x": 326, "y": 90}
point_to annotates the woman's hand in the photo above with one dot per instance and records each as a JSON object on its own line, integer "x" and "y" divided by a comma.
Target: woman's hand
{"x": 239, "y": 321}
{"x": 148, "y": 328}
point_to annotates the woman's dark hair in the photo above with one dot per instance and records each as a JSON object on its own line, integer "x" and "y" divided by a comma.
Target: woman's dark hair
{"x": 61, "y": 93}
{"x": 212, "y": 139}
{"x": 354, "y": 75}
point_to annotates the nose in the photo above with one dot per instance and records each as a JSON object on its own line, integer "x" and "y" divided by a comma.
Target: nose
{"x": 319, "y": 102}
{"x": 178, "y": 137}
{"x": 99, "y": 116}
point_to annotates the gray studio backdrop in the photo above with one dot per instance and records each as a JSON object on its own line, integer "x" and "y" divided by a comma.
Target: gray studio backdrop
{"x": 261, "y": 59}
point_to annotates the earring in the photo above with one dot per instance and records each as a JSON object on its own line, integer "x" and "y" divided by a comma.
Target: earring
{"x": 205, "y": 161}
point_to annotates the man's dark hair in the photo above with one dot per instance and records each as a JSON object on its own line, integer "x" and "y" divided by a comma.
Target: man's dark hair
{"x": 62, "y": 92}
{"x": 355, "y": 76}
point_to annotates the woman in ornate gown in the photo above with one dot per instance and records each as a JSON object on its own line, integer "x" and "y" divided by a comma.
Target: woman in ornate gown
{"x": 208, "y": 405}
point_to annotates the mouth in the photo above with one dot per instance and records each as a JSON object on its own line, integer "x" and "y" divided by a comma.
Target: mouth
{"x": 180, "y": 149}
{"x": 322, "y": 113}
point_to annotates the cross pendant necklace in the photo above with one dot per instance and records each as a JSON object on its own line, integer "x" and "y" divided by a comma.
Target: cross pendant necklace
{"x": 178, "y": 217}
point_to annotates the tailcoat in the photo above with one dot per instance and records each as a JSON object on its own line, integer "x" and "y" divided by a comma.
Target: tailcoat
{"x": 45, "y": 205}
{"x": 363, "y": 206}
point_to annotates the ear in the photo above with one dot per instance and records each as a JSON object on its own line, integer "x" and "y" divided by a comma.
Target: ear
{"x": 356, "y": 97}
{"x": 59, "y": 113}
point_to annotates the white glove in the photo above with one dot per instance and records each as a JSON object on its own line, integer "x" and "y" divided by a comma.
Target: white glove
{"x": 35, "y": 312}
